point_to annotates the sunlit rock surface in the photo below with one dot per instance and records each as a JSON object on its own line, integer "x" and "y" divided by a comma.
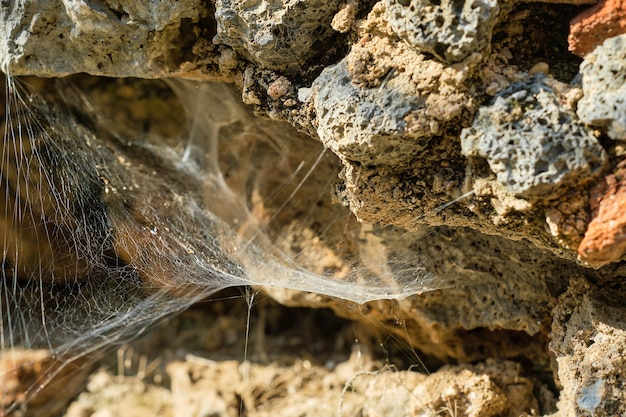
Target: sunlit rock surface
{"x": 462, "y": 155}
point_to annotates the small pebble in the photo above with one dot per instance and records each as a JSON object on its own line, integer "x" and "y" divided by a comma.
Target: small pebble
{"x": 539, "y": 67}
{"x": 278, "y": 88}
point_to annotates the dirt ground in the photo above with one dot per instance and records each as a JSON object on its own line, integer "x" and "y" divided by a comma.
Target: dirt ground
{"x": 215, "y": 360}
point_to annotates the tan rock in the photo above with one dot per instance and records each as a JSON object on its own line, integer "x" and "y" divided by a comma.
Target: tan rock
{"x": 588, "y": 340}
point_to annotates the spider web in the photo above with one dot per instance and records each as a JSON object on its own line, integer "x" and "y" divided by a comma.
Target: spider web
{"x": 104, "y": 234}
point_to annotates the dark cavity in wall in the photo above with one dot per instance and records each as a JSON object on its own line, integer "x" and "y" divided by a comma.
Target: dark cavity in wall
{"x": 544, "y": 38}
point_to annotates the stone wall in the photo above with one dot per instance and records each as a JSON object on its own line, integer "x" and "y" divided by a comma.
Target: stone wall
{"x": 463, "y": 130}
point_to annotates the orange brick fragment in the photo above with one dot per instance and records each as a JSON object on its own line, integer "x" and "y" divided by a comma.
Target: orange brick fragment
{"x": 596, "y": 24}
{"x": 605, "y": 239}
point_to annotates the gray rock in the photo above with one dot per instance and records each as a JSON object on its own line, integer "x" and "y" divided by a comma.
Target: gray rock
{"x": 279, "y": 35}
{"x": 604, "y": 85}
{"x": 531, "y": 142}
{"x": 366, "y": 124}
{"x": 449, "y": 29}
{"x": 119, "y": 39}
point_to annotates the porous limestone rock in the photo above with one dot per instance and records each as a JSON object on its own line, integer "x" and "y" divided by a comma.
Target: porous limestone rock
{"x": 367, "y": 124}
{"x": 492, "y": 297}
{"x": 113, "y": 395}
{"x": 588, "y": 339}
{"x": 451, "y": 30}
{"x": 116, "y": 39}
{"x": 280, "y": 35}
{"x": 490, "y": 389}
{"x": 386, "y": 195}
{"x": 604, "y": 86}
{"x": 567, "y": 218}
{"x": 383, "y": 103}
{"x": 531, "y": 142}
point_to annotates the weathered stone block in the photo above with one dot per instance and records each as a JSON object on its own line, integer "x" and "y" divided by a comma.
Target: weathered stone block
{"x": 279, "y": 35}
{"x": 366, "y": 124}
{"x": 449, "y": 29}
{"x": 531, "y": 142}
{"x": 604, "y": 86}
{"x": 588, "y": 340}
{"x": 128, "y": 39}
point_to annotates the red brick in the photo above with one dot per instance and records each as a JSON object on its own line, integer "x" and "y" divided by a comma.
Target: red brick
{"x": 605, "y": 239}
{"x": 602, "y": 21}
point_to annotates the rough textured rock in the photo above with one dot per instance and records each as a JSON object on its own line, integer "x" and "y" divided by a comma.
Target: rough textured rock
{"x": 605, "y": 239}
{"x": 383, "y": 102}
{"x": 108, "y": 395}
{"x": 531, "y": 142}
{"x": 487, "y": 389}
{"x": 568, "y": 219}
{"x": 604, "y": 86}
{"x": 349, "y": 381}
{"x": 600, "y": 22}
{"x": 476, "y": 314}
{"x": 455, "y": 157}
{"x": 450, "y": 30}
{"x": 492, "y": 388}
{"x": 102, "y": 38}
{"x": 279, "y": 35}
{"x": 359, "y": 123}
{"x": 588, "y": 339}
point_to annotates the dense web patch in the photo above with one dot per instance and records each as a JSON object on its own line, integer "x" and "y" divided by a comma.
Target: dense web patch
{"x": 104, "y": 234}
